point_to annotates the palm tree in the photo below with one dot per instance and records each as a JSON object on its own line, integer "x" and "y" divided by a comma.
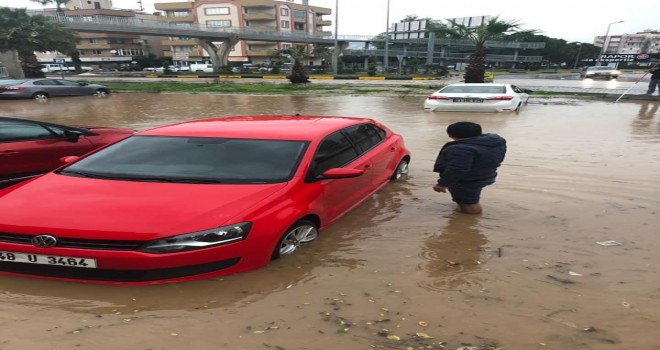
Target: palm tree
{"x": 322, "y": 52}
{"x": 298, "y": 53}
{"x": 494, "y": 29}
{"x": 26, "y": 34}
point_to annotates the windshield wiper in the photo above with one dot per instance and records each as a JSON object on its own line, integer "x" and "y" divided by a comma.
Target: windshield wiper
{"x": 85, "y": 174}
{"x": 168, "y": 179}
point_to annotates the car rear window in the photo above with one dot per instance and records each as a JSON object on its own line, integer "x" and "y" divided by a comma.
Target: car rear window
{"x": 193, "y": 160}
{"x": 11, "y": 82}
{"x": 496, "y": 89}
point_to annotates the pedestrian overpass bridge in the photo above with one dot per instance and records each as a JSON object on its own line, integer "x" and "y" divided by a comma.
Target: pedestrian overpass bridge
{"x": 219, "y": 41}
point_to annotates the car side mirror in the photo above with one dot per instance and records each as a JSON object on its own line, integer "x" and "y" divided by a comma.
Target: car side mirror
{"x": 72, "y": 135}
{"x": 69, "y": 159}
{"x": 82, "y": 83}
{"x": 341, "y": 173}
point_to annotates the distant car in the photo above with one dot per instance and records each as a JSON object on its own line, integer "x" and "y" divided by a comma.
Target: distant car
{"x": 30, "y": 147}
{"x": 196, "y": 199}
{"x": 172, "y": 69}
{"x": 600, "y": 72}
{"x": 182, "y": 68}
{"x": 42, "y": 89}
{"x": 475, "y": 97}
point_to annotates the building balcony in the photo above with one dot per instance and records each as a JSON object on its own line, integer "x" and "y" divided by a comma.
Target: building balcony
{"x": 108, "y": 46}
{"x": 259, "y": 16}
{"x": 188, "y": 19}
{"x": 257, "y": 3}
{"x": 321, "y": 10}
{"x": 172, "y": 6}
{"x": 259, "y": 53}
{"x": 323, "y": 23}
{"x": 191, "y": 54}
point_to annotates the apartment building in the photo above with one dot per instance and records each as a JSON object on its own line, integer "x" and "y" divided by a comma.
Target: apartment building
{"x": 104, "y": 50}
{"x": 647, "y": 41}
{"x": 261, "y": 15}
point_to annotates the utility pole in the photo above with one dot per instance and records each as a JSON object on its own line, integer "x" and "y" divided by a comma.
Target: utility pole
{"x": 386, "y": 59}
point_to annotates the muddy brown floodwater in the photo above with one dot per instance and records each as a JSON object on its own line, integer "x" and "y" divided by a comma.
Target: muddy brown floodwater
{"x": 403, "y": 270}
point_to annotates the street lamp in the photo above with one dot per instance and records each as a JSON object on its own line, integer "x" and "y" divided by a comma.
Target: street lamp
{"x": 577, "y": 57}
{"x": 386, "y": 59}
{"x": 607, "y": 33}
{"x": 335, "y": 52}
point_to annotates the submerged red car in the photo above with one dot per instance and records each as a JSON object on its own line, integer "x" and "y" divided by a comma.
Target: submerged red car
{"x": 29, "y": 147}
{"x": 195, "y": 199}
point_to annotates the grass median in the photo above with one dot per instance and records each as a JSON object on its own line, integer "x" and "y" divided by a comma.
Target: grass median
{"x": 269, "y": 88}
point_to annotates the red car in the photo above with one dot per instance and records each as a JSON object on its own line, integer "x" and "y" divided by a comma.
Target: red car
{"x": 29, "y": 147}
{"x": 195, "y": 199}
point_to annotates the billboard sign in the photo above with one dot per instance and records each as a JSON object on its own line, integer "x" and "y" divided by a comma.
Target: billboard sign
{"x": 634, "y": 57}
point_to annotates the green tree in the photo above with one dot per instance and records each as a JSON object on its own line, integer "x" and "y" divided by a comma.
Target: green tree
{"x": 27, "y": 34}
{"x": 298, "y": 53}
{"x": 322, "y": 52}
{"x": 493, "y": 30}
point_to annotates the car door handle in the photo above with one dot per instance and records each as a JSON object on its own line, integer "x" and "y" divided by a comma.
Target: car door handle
{"x": 393, "y": 149}
{"x": 367, "y": 167}
{"x": 7, "y": 153}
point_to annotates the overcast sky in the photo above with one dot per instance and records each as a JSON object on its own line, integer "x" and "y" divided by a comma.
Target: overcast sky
{"x": 571, "y": 20}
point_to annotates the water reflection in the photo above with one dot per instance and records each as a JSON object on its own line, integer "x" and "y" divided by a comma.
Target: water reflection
{"x": 453, "y": 257}
{"x": 645, "y": 123}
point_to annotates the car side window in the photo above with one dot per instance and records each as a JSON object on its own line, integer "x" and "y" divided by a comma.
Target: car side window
{"x": 516, "y": 89}
{"x": 13, "y": 131}
{"x": 334, "y": 152}
{"x": 365, "y": 136}
{"x": 46, "y": 82}
{"x": 68, "y": 82}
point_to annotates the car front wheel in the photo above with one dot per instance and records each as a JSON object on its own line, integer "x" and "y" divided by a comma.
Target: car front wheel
{"x": 303, "y": 231}
{"x": 40, "y": 96}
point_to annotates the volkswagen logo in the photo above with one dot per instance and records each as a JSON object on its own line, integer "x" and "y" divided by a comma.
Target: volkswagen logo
{"x": 44, "y": 241}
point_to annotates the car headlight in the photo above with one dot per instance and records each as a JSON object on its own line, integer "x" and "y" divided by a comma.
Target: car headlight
{"x": 198, "y": 240}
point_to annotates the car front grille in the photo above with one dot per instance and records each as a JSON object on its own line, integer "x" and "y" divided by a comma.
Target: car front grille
{"x": 75, "y": 243}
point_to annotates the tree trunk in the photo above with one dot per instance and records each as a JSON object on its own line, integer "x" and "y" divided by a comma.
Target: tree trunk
{"x": 30, "y": 64}
{"x": 75, "y": 59}
{"x": 298, "y": 73}
{"x": 476, "y": 67}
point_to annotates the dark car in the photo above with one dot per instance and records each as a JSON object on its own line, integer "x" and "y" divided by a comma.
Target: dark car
{"x": 42, "y": 89}
{"x": 29, "y": 147}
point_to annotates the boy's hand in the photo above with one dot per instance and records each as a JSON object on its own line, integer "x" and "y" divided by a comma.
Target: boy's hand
{"x": 439, "y": 188}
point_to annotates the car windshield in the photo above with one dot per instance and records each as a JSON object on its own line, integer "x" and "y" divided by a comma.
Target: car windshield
{"x": 481, "y": 89}
{"x": 193, "y": 160}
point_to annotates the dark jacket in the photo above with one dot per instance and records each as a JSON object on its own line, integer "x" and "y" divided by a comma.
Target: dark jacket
{"x": 655, "y": 72}
{"x": 470, "y": 159}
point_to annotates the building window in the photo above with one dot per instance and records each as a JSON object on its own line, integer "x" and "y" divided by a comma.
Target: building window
{"x": 224, "y": 23}
{"x": 299, "y": 14}
{"x": 96, "y": 52}
{"x": 299, "y": 26}
{"x": 286, "y": 46}
{"x": 180, "y": 14}
{"x": 285, "y": 24}
{"x": 284, "y": 11}
{"x": 216, "y": 11}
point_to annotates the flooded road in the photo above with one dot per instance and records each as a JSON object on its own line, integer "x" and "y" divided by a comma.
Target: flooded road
{"x": 403, "y": 270}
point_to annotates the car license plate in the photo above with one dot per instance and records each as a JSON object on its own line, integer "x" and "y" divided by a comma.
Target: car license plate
{"x": 47, "y": 259}
{"x": 477, "y": 100}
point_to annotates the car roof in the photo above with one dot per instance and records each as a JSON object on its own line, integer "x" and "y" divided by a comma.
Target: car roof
{"x": 478, "y": 84}
{"x": 262, "y": 127}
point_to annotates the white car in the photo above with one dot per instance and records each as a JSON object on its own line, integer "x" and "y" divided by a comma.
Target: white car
{"x": 475, "y": 97}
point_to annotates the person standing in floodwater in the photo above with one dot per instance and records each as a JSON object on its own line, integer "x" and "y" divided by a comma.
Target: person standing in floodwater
{"x": 468, "y": 164}
{"x": 655, "y": 79}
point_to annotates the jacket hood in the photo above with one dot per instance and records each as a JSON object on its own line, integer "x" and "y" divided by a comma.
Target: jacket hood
{"x": 487, "y": 140}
